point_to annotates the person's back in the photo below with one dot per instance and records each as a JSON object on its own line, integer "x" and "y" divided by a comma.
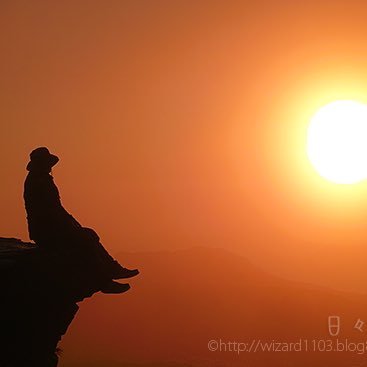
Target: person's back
{"x": 47, "y": 219}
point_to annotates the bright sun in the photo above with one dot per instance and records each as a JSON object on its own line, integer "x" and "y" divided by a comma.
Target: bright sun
{"x": 337, "y": 142}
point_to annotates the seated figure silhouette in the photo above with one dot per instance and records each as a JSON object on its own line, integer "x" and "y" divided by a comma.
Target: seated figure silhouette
{"x": 56, "y": 231}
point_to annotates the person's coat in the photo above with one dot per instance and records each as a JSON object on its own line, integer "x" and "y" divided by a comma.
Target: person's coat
{"x": 47, "y": 218}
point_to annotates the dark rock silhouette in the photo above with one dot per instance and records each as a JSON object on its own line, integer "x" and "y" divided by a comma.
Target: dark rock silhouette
{"x": 38, "y": 303}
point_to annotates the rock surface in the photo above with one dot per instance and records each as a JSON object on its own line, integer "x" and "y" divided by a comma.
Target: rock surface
{"x": 39, "y": 295}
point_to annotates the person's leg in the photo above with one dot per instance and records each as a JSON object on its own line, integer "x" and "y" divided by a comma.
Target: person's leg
{"x": 104, "y": 258}
{"x": 78, "y": 264}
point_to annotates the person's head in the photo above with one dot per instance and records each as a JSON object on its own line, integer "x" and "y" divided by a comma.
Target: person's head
{"x": 41, "y": 160}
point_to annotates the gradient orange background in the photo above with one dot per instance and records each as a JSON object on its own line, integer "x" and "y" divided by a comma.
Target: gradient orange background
{"x": 181, "y": 123}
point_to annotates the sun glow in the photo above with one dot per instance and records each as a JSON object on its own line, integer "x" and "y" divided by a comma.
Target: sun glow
{"x": 337, "y": 141}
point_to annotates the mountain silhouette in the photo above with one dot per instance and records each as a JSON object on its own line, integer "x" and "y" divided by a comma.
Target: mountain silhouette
{"x": 186, "y": 298}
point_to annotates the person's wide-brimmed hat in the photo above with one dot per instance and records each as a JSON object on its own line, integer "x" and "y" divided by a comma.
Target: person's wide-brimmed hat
{"x": 41, "y": 158}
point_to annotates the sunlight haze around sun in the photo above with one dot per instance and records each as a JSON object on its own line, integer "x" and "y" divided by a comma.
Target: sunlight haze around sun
{"x": 337, "y": 141}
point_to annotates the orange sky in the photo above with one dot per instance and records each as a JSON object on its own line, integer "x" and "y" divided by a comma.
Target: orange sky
{"x": 183, "y": 122}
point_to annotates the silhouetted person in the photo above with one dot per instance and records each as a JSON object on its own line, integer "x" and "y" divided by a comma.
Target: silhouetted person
{"x": 52, "y": 228}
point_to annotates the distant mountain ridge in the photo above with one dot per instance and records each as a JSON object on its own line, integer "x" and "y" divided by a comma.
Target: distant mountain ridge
{"x": 185, "y": 298}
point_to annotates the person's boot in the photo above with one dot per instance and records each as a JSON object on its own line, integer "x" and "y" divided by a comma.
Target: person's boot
{"x": 112, "y": 287}
{"x": 120, "y": 272}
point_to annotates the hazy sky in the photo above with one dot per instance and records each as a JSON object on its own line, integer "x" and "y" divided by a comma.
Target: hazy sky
{"x": 180, "y": 123}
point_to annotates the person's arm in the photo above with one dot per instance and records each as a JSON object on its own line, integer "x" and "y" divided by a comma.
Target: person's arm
{"x": 54, "y": 210}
